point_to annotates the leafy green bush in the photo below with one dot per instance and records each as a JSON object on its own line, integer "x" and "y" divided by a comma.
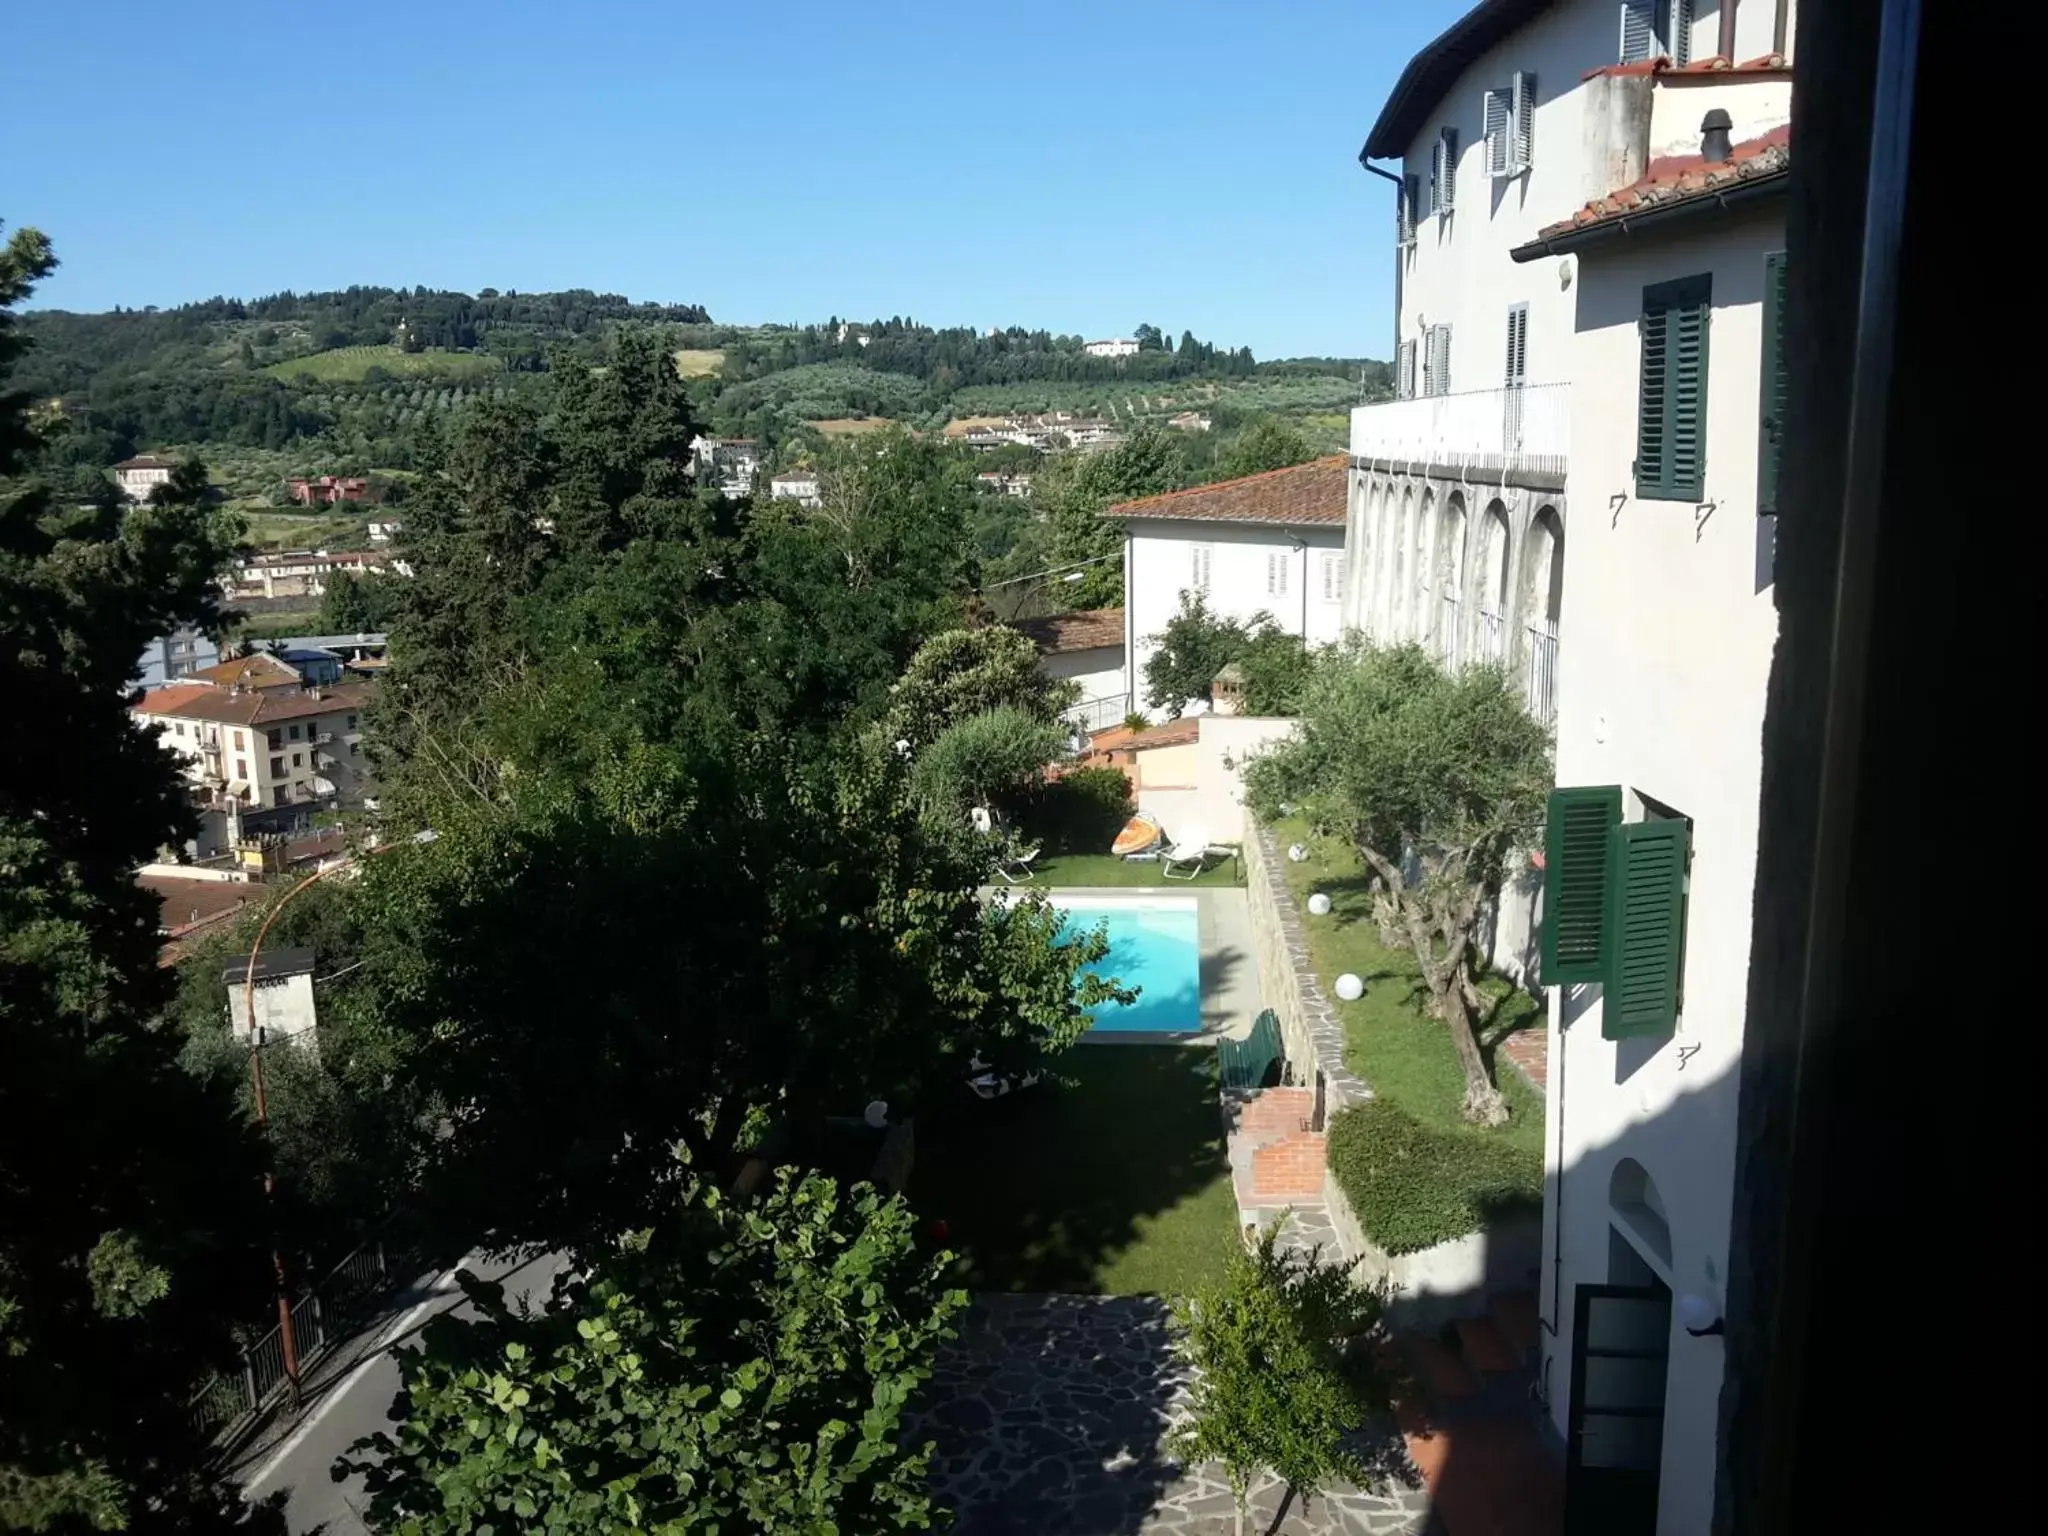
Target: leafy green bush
{"x": 985, "y": 759}
{"x": 1081, "y": 812}
{"x": 1414, "y": 1186}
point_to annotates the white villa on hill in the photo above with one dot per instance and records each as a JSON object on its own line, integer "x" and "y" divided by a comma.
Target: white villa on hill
{"x": 1576, "y": 485}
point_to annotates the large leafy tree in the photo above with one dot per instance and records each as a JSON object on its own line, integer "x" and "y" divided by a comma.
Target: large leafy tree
{"x": 1433, "y": 776}
{"x": 734, "y": 1367}
{"x": 965, "y": 672}
{"x": 128, "y": 1191}
{"x": 1076, "y": 488}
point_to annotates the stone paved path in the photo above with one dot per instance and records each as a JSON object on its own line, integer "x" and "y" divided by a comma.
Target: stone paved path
{"x": 1051, "y": 1414}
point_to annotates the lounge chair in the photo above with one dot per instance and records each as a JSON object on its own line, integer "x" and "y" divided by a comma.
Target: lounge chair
{"x": 1189, "y": 853}
{"x": 1014, "y": 862}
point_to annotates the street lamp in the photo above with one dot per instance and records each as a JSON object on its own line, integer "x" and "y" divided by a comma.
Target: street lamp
{"x": 286, "y": 1334}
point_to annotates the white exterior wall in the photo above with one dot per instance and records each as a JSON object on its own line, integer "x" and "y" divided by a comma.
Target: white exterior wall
{"x": 1669, "y": 623}
{"x": 1099, "y": 671}
{"x": 284, "y": 1010}
{"x": 1159, "y": 566}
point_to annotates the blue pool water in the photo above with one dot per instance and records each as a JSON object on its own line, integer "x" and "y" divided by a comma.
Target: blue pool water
{"x": 1153, "y": 947}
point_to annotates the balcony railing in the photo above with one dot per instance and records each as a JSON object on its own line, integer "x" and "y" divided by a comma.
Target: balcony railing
{"x": 1451, "y": 630}
{"x": 1543, "y": 670}
{"x": 1482, "y": 431}
{"x": 1492, "y": 638}
{"x": 1099, "y": 714}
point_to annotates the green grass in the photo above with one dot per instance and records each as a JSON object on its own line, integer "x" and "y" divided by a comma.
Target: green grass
{"x": 286, "y": 530}
{"x": 1114, "y": 1182}
{"x": 1406, "y": 1055}
{"x": 1107, "y": 869}
{"x": 347, "y": 365}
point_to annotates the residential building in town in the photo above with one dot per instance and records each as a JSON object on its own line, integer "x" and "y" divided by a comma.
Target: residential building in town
{"x": 384, "y": 532}
{"x": 733, "y": 462}
{"x": 142, "y": 474}
{"x": 1586, "y": 194}
{"x": 282, "y": 994}
{"x": 1189, "y": 421}
{"x": 305, "y": 572}
{"x": 1118, "y": 346}
{"x": 326, "y": 490}
{"x": 1086, "y": 648}
{"x": 1267, "y": 545}
{"x": 274, "y": 748}
{"x": 996, "y": 483}
{"x": 179, "y": 654}
{"x": 798, "y": 485}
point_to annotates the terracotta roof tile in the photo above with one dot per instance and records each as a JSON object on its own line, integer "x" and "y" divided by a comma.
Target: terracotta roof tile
{"x": 261, "y": 707}
{"x": 261, "y": 670}
{"x": 1174, "y": 733}
{"x": 1062, "y": 632}
{"x": 188, "y": 903}
{"x": 1679, "y": 178}
{"x": 1712, "y": 64}
{"x": 1303, "y": 494}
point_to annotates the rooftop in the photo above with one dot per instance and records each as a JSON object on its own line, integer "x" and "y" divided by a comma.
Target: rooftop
{"x": 1058, "y": 633}
{"x": 1669, "y": 183}
{"x": 1432, "y": 73}
{"x": 260, "y": 670}
{"x": 147, "y": 461}
{"x": 187, "y": 903}
{"x": 1303, "y": 495}
{"x": 270, "y": 964}
{"x": 266, "y": 706}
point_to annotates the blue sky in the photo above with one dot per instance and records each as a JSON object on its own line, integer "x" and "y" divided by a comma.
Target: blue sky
{"x": 1076, "y": 166}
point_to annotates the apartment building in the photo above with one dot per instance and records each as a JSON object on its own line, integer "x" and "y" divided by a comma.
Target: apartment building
{"x": 305, "y": 572}
{"x": 1589, "y": 248}
{"x": 266, "y": 748}
{"x": 797, "y": 485}
{"x": 1269, "y": 544}
{"x": 142, "y": 474}
{"x": 178, "y": 654}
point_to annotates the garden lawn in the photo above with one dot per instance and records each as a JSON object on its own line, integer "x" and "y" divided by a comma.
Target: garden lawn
{"x": 1114, "y": 1182}
{"x": 1393, "y": 1043}
{"x": 1062, "y": 869}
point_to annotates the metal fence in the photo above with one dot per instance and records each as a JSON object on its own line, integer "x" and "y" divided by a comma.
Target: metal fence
{"x": 320, "y": 1316}
{"x": 1100, "y": 714}
{"x": 1543, "y": 670}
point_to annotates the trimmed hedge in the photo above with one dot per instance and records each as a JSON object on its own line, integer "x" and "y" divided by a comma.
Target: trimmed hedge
{"x": 1414, "y": 1185}
{"x": 1080, "y": 812}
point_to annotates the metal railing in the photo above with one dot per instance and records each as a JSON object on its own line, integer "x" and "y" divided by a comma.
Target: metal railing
{"x": 1099, "y": 714}
{"x": 1543, "y": 670}
{"x": 1492, "y": 637}
{"x": 1451, "y": 629}
{"x": 319, "y": 1317}
{"x": 1527, "y": 426}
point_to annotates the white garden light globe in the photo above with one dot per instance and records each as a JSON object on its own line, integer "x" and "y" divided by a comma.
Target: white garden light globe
{"x": 1350, "y": 987}
{"x": 1319, "y": 904}
{"x": 1297, "y": 852}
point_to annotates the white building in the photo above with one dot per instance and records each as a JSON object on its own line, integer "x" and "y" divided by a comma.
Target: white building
{"x": 306, "y": 572}
{"x": 1088, "y": 649}
{"x": 1588, "y": 192}
{"x": 734, "y": 462}
{"x": 384, "y": 532}
{"x": 1120, "y": 346}
{"x": 798, "y": 485}
{"x": 285, "y": 1009}
{"x": 142, "y": 474}
{"x": 1270, "y": 544}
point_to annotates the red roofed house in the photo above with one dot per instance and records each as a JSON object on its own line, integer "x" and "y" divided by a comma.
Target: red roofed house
{"x": 1574, "y": 483}
{"x": 1087, "y": 649}
{"x": 268, "y": 747}
{"x": 1268, "y": 544}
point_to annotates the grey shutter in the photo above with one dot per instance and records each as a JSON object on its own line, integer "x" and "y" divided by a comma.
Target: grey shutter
{"x": 1436, "y": 361}
{"x": 1522, "y": 105}
{"x": 1447, "y": 178}
{"x": 1638, "y": 30}
{"x": 1770, "y": 448}
{"x": 1497, "y": 112}
{"x": 1679, "y": 44}
{"x": 1404, "y": 214}
{"x": 1518, "y": 346}
{"x": 1405, "y": 383}
{"x": 1671, "y": 413}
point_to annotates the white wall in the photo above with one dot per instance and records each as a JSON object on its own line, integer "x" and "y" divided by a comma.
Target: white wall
{"x": 1669, "y": 626}
{"x": 284, "y": 1009}
{"x": 1099, "y": 671}
{"x": 1159, "y": 565}
{"x": 1196, "y": 788}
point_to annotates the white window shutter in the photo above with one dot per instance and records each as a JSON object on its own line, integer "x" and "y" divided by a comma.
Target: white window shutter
{"x": 1198, "y": 574}
{"x": 1679, "y": 44}
{"x": 1638, "y": 30}
{"x": 1522, "y": 109}
{"x": 1405, "y": 382}
{"x": 1436, "y": 361}
{"x": 1495, "y": 112}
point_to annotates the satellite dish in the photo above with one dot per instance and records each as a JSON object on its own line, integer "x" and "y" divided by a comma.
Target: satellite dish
{"x": 877, "y": 1113}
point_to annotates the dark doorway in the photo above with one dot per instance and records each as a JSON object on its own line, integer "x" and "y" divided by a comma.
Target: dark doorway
{"x": 1621, "y": 1340}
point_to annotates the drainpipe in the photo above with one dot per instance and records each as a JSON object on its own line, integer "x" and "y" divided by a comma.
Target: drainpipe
{"x": 1399, "y": 186}
{"x": 1549, "y": 1324}
{"x": 1781, "y": 27}
{"x": 1302, "y": 545}
{"x": 1726, "y": 46}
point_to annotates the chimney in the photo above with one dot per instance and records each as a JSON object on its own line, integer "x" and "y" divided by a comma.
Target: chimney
{"x": 1714, "y": 137}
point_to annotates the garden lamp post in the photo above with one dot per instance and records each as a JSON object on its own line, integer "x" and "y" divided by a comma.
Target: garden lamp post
{"x": 286, "y": 1334}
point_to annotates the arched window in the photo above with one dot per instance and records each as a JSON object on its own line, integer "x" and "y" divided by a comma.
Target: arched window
{"x": 1492, "y": 575}
{"x": 1422, "y": 571}
{"x": 1450, "y": 581}
{"x": 1399, "y": 603}
{"x": 1635, "y": 1205}
{"x": 1542, "y": 599}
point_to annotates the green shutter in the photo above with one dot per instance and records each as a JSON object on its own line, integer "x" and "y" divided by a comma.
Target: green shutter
{"x": 1577, "y": 849}
{"x": 1770, "y": 445}
{"x": 1671, "y": 401}
{"x": 1646, "y": 929}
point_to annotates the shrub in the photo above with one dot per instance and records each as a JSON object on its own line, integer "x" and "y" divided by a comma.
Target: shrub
{"x": 1081, "y": 812}
{"x": 985, "y": 759}
{"x": 1414, "y": 1186}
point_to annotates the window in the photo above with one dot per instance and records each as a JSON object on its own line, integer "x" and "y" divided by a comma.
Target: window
{"x": 278, "y": 795}
{"x": 1277, "y": 562}
{"x": 351, "y": 722}
{"x": 1518, "y": 346}
{"x": 294, "y": 733}
{"x": 1333, "y": 575}
{"x": 352, "y": 749}
{"x": 1656, "y": 29}
{"x": 1770, "y": 446}
{"x": 242, "y": 769}
{"x": 1671, "y": 414}
{"x": 298, "y": 759}
{"x": 1443, "y": 172}
{"x": 277, "y": 767}
{"x": 276, "y": 739}
{"x": 238, "y": 741}
{"x": 1405, "y": 202}
{"x": 178, "y": 726}
{"x": 1510, "y": 119}
{"x": 1436, "y": 360}
{"x": 1614, "y": 906}
{"x": 1198, "y": 567}
{"x": 1404, "y": 382}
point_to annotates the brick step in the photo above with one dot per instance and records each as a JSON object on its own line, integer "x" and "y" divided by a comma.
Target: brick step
{"x": 1516, "y": 1314}
{"x": 1485, "y": 1348}
{"x": 1289, "y": 1167}
{"x": 1272, "y": 1113}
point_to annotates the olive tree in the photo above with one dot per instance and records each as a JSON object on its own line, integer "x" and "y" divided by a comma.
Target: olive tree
{"x": 1433, "y": 776}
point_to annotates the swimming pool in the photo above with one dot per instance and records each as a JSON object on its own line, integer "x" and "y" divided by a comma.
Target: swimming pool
{"x": 1153, "y": 946}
